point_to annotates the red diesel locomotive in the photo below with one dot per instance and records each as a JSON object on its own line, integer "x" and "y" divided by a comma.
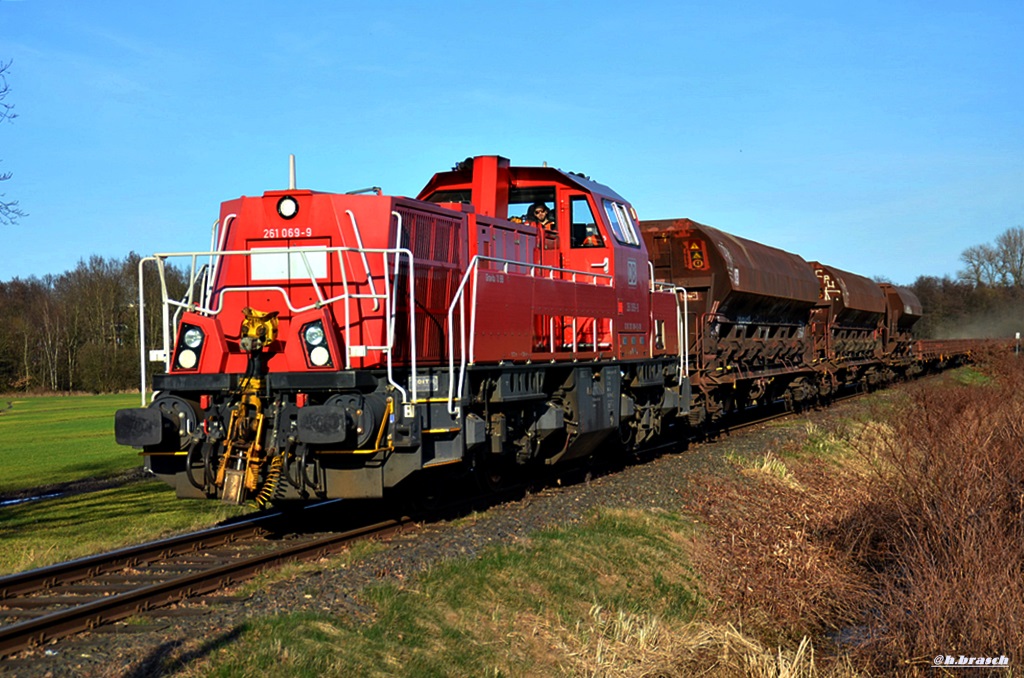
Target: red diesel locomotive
{"x": 334, "y": 345}
{"x": 337, "y": 345}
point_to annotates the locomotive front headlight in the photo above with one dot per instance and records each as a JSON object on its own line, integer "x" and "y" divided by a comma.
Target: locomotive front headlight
{"x": 314, "y": 334}
{"x": 187, "y": 359}
{"x": 193, "y": 337}
{"x": 316, "y": 344}
{"x": 287, "y": 207}
{"x": 319, "y": 356}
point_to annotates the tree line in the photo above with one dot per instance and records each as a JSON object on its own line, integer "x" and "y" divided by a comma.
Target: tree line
{"x": 985, "y": 299}
{"x": 79, "y": 331}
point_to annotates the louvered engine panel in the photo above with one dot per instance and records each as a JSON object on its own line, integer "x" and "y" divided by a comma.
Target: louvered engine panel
{"x": 436, "y": 244}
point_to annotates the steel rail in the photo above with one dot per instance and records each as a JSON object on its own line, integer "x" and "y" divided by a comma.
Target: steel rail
{"x": 91, "y": 566}
{"x": 33, "y": 632}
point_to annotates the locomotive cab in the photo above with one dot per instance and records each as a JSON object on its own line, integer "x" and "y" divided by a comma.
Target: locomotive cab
{"x": 593, "y": 236}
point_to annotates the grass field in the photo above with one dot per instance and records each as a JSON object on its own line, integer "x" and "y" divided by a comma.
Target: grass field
{"x": 52, "y": 531}
{"x": 600, "y": 598}
{"x": 54, "y": 439}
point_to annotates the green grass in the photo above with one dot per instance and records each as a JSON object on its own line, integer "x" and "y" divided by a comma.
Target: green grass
{"x": 45, "y": 532}
{"x": 599, "y": 592}
{"x": 821, "y": 442}
{"x": 269, "y": 578}
{"x": 970, "y": 376}
{"x": 53, "y": 439}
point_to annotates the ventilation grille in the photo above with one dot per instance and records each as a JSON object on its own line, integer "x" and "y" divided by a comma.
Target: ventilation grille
{"x": 434, "y": 241}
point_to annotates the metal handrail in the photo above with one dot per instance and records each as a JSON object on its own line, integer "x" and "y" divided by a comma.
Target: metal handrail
{"x": 211, "y": 304}
{"x": 682, "y": 319}
{"x": 366, "y": 263}
{"x": 470, "y": 277}
{"x": 684, "y": 346}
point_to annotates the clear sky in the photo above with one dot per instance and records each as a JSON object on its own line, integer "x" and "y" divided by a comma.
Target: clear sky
{"x": 881, "y": 137}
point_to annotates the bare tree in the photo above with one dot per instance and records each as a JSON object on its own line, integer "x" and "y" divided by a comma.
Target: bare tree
{"x": 9, "y": 211}
{"x": 982, "y": 266}
{"x": 998, "y": 265}
{"x": 1010, "y": 254}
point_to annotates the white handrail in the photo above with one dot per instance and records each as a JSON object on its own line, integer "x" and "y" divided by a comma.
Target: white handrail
{"x": 303, "y": 253}
{"x": 459, "y": 300}
{"x": 471, "y": 277}
{"x": 216, "y": 246}
{"x": 142, "y": 332}
{"x": 366, "y": 264}
{"x": 212, "y": 305}
{"x": 165, "y": 316}
{"x": 684, "y": 345}
{"x": 682, "y": 318}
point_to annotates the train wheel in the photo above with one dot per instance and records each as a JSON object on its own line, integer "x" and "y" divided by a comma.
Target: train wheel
{"x": 491, "y": 472}
{"x": 627, "y": 437}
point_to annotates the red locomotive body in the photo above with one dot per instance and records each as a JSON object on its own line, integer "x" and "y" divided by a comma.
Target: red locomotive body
{"x": 327, "y": 264}
{"x": 336, "y": 345}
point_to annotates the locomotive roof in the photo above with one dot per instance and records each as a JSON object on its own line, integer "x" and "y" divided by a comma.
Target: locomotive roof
{"x": 462, "y": 174}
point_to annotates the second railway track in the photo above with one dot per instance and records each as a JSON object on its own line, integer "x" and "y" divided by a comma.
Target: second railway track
{"x": 53, "y": 602}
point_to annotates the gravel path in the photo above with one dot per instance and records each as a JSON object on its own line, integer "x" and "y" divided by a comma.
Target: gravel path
{"x": 133, "y": 651}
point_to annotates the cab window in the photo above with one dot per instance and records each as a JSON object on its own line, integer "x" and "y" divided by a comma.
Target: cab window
{"x": 524, "y": 204}
{"x": 584, "y": 231}
{"x": 621, "y": 223}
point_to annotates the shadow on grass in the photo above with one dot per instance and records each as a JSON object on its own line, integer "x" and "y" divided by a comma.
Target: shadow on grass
{"x": 162, "y": 661}
{"x": 100, "y": 479}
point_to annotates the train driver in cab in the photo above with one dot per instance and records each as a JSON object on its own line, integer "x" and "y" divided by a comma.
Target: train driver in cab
{"x": 592, "y": 238}
{"x": 540, "y": 213}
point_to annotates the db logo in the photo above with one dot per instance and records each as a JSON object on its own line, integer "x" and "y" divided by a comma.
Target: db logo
{"x": 631, "y": 276}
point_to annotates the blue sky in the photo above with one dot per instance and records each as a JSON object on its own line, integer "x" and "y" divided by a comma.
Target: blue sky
{"x": 879, "y": 137}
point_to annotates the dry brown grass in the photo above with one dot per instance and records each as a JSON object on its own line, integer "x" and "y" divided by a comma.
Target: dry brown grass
{"x": 767, "y": 557}
{"x": 722, "y": 650}
{"x": 911, "y": 546}
{"x": 618, "y": 643}
{"x": 943, "y": 530}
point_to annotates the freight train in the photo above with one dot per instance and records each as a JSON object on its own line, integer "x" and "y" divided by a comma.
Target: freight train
{"x": 507, "y": 318}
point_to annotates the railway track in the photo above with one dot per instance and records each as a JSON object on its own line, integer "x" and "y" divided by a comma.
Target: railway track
{"x": 64, "y": 599}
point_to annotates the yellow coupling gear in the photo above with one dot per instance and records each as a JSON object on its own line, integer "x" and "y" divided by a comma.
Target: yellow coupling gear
{"x": 238, "y": 474}
{"x": 258, "y": 329}
{"x": 244, "y": 458}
